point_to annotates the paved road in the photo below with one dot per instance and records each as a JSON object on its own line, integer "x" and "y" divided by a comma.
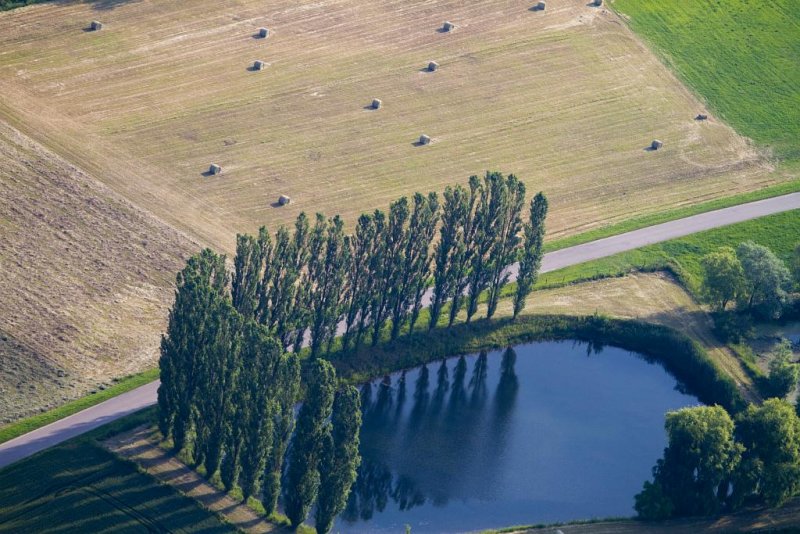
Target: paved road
{"x": 144, "y": 396}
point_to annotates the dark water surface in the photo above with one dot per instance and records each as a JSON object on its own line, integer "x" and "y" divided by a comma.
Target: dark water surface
{"x": 544, "y": 432}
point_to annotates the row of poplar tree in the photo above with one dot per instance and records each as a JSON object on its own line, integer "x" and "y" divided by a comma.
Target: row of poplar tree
{"x": 228, "y": 388}
{"x": 227, "y": 400}
{"x": 310, "y": 281}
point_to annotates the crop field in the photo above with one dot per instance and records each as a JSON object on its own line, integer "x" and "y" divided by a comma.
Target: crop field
{"x": 567, "y": 98}
{"x": 742, "y": 57}
{"x": 81, "y": 487}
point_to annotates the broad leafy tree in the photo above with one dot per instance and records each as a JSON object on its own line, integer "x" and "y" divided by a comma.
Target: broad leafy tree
{"x": 783, "y": 372}
{"x": 699, "y": 462}
{"x": 723, "y": 277}
{"x": 766, "y": 279}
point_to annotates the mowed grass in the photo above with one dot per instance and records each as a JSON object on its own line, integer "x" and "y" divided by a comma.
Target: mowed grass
{"x": 81, "y": 487}
{"x": 568, "y": 99}
{"x": 780, "y": 233}
{"x": 742, "y": 57}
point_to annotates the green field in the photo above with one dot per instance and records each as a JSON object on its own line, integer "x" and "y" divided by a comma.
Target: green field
{"x": 81, "y": 487}
{"x": 780, "y": 233}
{"x": 741, "y": 56}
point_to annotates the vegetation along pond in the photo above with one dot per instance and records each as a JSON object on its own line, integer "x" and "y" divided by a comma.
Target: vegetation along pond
{"x": 540, "y": 433}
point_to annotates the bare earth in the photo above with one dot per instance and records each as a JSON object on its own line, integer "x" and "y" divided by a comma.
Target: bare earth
{"x": 138, "y": 445}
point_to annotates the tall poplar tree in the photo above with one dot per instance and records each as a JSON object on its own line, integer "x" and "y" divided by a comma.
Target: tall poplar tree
{"x": 302, "y": 475}
{"x": 424, "y": 235}
{"x": 532, "y": 251}
{"x": 358, "y": 283}
{"x": 505, "y": 249}
{"x": 465, "y": 247}
{"x": 287, "y": 393}
{"x": 339, "y": 459}
{"x": 251, "y": 256}
{"x": 390, "y": 266}
{"x": 446, "y": 249}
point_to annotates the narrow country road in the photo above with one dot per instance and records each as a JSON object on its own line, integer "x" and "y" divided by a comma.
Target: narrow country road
{"x": 144, "y": 396}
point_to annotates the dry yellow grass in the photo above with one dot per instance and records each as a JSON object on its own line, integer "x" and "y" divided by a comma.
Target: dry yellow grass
{"x": 567, "y": 99}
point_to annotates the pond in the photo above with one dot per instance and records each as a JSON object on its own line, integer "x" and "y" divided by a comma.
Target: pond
{"x": 540, "y": 433}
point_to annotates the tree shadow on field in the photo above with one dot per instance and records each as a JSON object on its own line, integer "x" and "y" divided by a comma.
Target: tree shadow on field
{"x": 99, "y": 5}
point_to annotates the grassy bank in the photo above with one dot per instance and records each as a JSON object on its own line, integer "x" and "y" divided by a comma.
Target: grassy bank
{"x": 28, "y": 424}
{"x": 80, "y": 487}
{"x": 742, "y": 57}
{"x": 780, "y": 232}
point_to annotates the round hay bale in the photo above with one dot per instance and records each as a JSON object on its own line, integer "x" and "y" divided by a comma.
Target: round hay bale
{"x": 701, "y": 117}
{"x": 96, "y": 26}
{"x": 656, "y": 144}
{"x": 214, "y": 169}
{"x": 259, "y": 65}
{"x": 424, "y": 140}
{"x": 376, "y": 103}
{"x": 284, "y": 199}
{"x": 541, "y": 6}
{"x": 598, "y": 3}
{"x": 263, "y": 33}
{"x": 433, "y": 66}
{"x": 448, "y": 26}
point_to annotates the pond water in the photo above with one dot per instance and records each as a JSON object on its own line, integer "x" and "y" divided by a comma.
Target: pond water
{"x": 540, "y": 433}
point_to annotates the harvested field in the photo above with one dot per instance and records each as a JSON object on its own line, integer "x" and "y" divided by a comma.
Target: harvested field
{"x": 568, "y": 99}
{"x": 85, "y": 280}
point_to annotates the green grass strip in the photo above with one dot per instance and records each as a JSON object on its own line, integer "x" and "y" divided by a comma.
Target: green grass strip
{"x": 29, "y": 424}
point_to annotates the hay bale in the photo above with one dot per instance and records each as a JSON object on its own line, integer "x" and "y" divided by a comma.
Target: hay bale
{"x": 214, "y": 169}
{"x": 376, "y": 103}
{"x": 263, "y": 33}
{"x": 598, "y": 3}
{"x": 259, "y": 65}
{"x": 448, "y": 26}
{"x": 424, "y": 140}
{"x": 541, "y": 6}
{"x": 656, "y": 144}
{"x": 96, "y": 26}
{"x": 283, "y": 200}
{"x": 433, "y": 66}
{"x": 701, "y": 117}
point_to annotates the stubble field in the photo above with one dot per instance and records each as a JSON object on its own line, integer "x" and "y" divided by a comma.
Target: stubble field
{"x": 566, "y": 98}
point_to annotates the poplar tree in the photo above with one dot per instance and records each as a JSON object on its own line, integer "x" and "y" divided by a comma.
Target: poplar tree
{"x": 421, "y": 268}
{"x": 220, "y": 367}
{"x": 202, "y": 282}
{"x": 389, "y": 267}
{"x": 339, "y": 459}
{"x": 465, "y": 247}
{"x": 506, "y": 244}
{"x": 302, "y": 476}
{"x": 287, "y": 394}
{"x": 326, "y": 285}
{"x": 532, "y": 251}
{"x": 410, "y": 282}
{"x": 251, "y": 256}
{"x": 374, "y": 273}
{"x": 314, "y": 255}
{"x": 447, "y": 249}
{"x": 358, "y": 283}
{"x": 261, "y": 364}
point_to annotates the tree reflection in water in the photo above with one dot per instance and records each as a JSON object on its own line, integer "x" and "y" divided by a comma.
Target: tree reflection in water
{"x": 429, "y": 445}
